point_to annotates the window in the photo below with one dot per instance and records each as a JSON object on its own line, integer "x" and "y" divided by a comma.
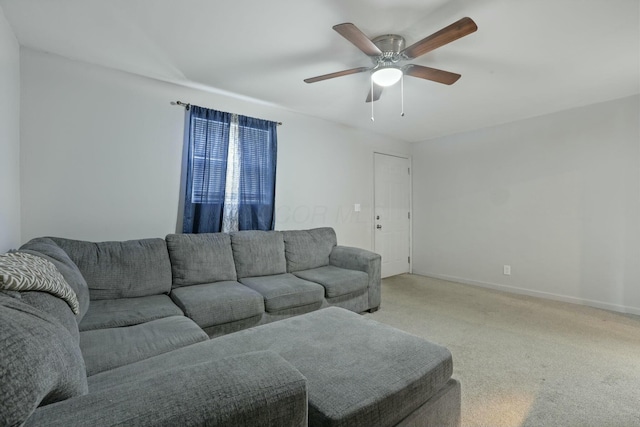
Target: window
{"x": 209, "y": 160}
{"x": 231, "y": 172}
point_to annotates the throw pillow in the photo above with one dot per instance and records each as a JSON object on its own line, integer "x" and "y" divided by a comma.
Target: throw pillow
{"x": 25, "y": 272}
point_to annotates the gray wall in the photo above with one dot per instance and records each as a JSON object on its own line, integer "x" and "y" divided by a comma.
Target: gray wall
{"x": 9, "y": 137}
{"x": 556, "y": 197}
{"x": 104, "y": 161}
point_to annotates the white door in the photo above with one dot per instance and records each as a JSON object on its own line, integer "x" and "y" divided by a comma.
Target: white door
{"x": 392, "y": 213}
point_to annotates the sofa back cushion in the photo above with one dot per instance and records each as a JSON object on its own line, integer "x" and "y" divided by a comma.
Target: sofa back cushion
{"x": 39, "y": 361}
{"x": 258, "y": 253}
{"x": 127, "y": 269}
{"x": 53, "y": 306}
{"x": 200, "y": 258}
{"x": 49, "y": 250}
{"x": 307, "y": 249}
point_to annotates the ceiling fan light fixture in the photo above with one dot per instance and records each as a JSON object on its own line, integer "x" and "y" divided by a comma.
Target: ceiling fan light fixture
{"x": 386, "y": 76}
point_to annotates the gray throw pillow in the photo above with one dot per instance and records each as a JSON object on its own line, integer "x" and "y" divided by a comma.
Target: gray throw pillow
{"x": 39, "y": 362}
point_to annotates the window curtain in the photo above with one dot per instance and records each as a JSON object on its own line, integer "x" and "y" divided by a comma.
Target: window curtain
{"x": 231, "y": 170}
{"x": 258, "y": 151}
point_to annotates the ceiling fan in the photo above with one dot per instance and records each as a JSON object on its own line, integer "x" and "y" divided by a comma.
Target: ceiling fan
{"x": 388, "y": 52}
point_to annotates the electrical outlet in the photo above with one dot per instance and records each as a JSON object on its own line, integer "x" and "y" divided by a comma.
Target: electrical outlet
{"x": 356, "y": 207}
{"x": 506, "y": 270}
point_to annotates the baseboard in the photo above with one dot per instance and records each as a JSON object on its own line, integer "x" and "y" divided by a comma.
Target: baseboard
{"x": 534, "y": 293}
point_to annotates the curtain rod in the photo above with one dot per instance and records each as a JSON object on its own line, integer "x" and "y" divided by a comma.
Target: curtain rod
{"x": 182, "y": 104}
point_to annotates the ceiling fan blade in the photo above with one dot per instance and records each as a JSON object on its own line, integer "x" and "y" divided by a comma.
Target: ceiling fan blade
{"x": 358, "y": 38}
{"x": 377, "y": 91}
{"x": 458, "y": 29}
{"x": 336, "y": 74}
{"x": 433, "y": 74}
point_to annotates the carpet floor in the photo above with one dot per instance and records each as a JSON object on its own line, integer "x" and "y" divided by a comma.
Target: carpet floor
{"x": 524, "y": 361}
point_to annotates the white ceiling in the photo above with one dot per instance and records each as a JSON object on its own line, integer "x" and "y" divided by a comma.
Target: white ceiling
{"x": 528, "y": 57}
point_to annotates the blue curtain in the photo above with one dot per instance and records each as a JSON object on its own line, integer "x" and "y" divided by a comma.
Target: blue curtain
{"x": 258, "y": 149}
{"x": 248, "y": 203}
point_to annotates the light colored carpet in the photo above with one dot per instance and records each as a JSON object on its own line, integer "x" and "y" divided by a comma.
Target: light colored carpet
{"x": 524, "y": 361}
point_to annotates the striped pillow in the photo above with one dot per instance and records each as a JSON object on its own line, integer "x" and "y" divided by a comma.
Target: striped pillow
{"x": 25, "y": 272}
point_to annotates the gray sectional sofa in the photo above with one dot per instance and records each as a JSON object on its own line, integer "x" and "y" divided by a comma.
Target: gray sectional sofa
{"x": 139, "y": 349}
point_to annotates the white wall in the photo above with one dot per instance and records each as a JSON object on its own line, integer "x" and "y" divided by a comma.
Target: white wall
{"x": 557, "y": 197}
{"x": 9, "y": 137}
{"x": 102, "y": 155}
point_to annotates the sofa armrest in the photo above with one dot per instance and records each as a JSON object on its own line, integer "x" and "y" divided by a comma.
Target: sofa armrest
{"x": 362, "y": 260}
{"x": 258, "y": 389}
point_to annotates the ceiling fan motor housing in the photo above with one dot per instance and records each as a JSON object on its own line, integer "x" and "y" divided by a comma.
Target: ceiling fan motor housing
{"x": 391, "y": 45}
{"x": 385, "y": 71}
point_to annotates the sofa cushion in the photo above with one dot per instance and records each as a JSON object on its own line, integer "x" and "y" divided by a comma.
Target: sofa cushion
{"x": 105, "y": 349}
{"x": 24, "y": 272}
{"x": 217, "y": 303}
{"x": 336, "y": 281}
{"x": 55, "y": 307}
{"x": 113, "y": 313}
{"x": 307, "y": 249}
{"x": 39, "y": 361}
{"x": 282, "y": 291}
{"x": 48, "y": 249}
{"x": 258, "y": 253}
{"x": 250, "y": 389}
{"x": 200, "y": 258}
{"x": 128, "y": 269}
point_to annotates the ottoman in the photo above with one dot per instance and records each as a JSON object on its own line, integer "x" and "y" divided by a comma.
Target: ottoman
{"x": 360, "y": 372}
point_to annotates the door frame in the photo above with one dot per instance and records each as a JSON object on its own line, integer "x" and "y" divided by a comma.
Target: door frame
{"x": 373, "y": 209}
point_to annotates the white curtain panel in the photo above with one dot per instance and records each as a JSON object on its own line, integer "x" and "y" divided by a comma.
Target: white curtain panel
{"x": 232, "y": 189}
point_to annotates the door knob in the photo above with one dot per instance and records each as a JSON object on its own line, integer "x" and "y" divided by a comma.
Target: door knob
{"x": 379, "y": 227}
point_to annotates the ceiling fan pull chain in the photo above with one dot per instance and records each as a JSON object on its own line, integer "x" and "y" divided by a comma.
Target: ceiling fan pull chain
{"x": 372, "y": 119}
{"x": 402, "y": 95}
